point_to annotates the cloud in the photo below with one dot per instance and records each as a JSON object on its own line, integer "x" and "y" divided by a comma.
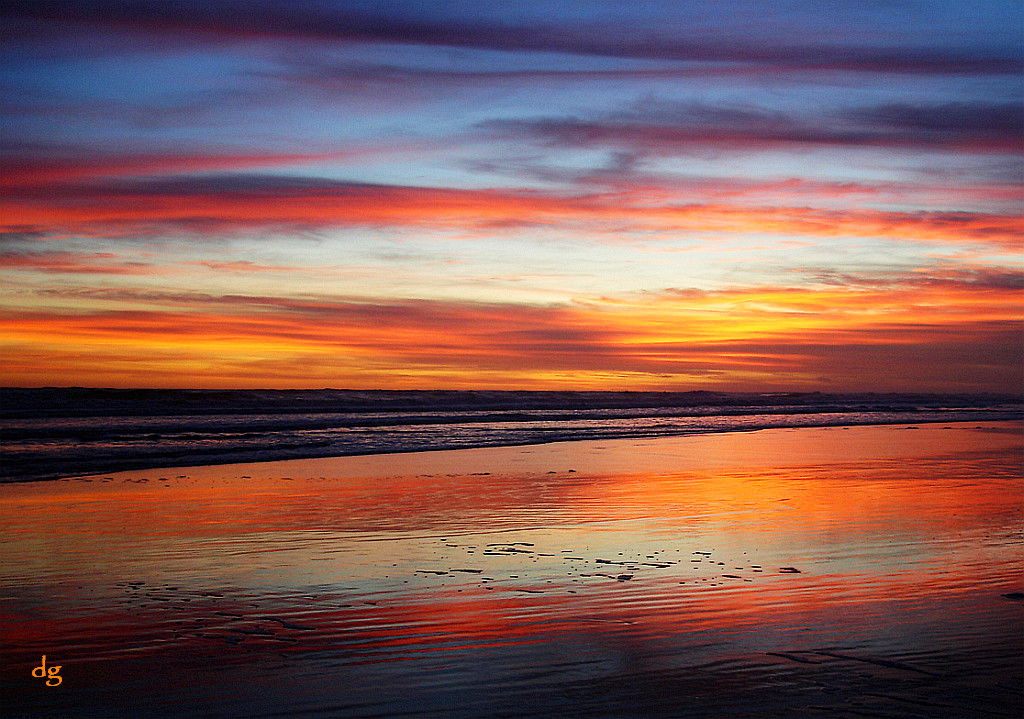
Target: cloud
{"x": 941, "y": 334}
{"x": 15, "y": 235}
{"x": 969, "y": 278}
{"x": 95, "y": 263}
{"x": 245, "y": 266}
{"x": 312, "y": 21}
{"x": 346, "y": 78}
{"x": 976, "y": 126}
{"x": 226, "y": 202}
{"x": 656, "y": 127}
{"x": 30, "y": 164}
{"x": 625, "y": 172}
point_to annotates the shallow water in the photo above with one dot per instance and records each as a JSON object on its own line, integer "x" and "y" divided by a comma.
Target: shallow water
{"x": 802, "y": 572}
{"x": 52, "y": 433}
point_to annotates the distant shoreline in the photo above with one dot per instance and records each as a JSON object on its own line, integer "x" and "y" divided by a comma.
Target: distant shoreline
{"x": 50, "y": 402}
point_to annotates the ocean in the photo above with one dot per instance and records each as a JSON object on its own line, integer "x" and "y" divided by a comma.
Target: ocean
{"x": 51, "y": 433}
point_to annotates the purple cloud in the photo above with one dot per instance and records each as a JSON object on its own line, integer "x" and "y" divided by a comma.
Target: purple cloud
{"x": 661, "y": 126}
{"x": 234, "y": 19}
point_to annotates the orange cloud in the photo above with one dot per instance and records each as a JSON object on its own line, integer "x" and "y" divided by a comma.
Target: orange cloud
{"x": 98, "y": 263}
{"x": 937, "y": 336}
{"x": 248, "y": 201}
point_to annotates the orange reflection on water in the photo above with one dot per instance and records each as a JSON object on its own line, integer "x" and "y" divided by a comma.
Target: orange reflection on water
{"x": 653, "y": 553}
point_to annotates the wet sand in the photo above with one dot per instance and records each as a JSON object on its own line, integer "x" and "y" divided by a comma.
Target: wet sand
{"x": 834, "y": 572}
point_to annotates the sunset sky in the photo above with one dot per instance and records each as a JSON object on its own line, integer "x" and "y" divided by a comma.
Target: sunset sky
{"x": 513, "y": 195}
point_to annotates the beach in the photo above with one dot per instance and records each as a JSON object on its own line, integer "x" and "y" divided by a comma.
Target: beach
{"x": 830, "y": 571}
{"x": 511, "y": 360}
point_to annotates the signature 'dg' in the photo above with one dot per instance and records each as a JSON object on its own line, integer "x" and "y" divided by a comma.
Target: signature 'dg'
{"x": 51, "y": 674}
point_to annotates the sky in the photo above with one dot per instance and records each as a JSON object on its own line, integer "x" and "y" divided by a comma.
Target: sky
{"x": 590, "y": 195}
